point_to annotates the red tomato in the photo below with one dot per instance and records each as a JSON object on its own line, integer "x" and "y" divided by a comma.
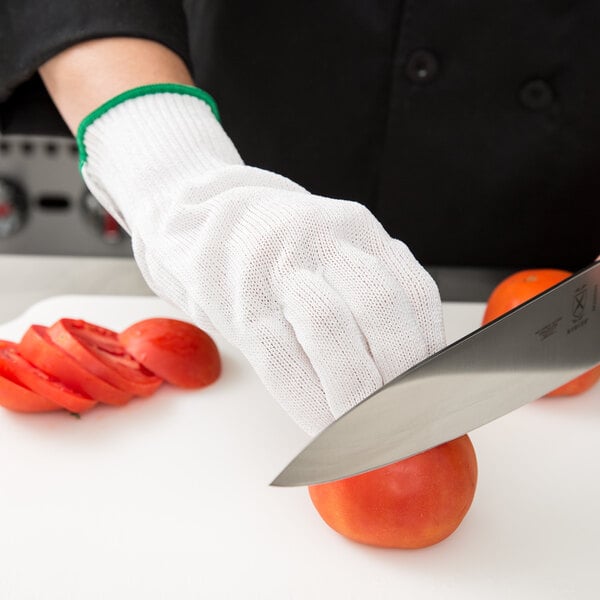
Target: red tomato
{"x": 413, "y": 503}
{"x": 38, "y": 349}
{"x": 15, "y": 367}
{"x": 15, "y": 397}
{"x": 177, "y": 351}
{"x": 578, "y": 385}
{"x": 18, "y": 398}
{"x": 522, "y": 286}
{"x": 98, "y": 349}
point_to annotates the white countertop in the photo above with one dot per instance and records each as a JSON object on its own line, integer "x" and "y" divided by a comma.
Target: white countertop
{"x": 28, "y": 279}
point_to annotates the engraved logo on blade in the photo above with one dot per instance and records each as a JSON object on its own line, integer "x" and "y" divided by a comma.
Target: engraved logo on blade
{"x": 578, "y": 309}
{"x": 579, "y": 301}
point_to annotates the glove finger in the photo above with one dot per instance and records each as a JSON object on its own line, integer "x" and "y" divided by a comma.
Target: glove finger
{"x": 422, "y": 292}
{"x": 331, "y": 339}
{"x": 380, "y": 307}
{"x": 360, "y": 229}
{"x": 279, "y": 360}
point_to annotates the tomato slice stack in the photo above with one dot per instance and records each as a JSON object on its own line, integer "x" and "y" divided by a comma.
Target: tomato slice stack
{"x": 52, "y": 390}
{"x": 13, "y": 394}
{"x": 101, "y": 352}
{"x": 74, "y": 364}
{"x": 37, "y": 347}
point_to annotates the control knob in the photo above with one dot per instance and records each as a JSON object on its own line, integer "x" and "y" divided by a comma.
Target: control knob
{"x": 102, "y": 221}
{"x": 13, "y": 208}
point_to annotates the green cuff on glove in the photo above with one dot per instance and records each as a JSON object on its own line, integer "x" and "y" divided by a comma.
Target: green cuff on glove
{"x": 155, "y": 88}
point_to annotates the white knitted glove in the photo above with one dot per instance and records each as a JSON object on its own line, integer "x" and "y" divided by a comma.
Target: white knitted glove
{"x": 323, "y": 303}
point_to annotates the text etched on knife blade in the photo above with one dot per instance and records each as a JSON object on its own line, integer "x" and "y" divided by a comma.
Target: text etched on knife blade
{"x": 547, "y": 330}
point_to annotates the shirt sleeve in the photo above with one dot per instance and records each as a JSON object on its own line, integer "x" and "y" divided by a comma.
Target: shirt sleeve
{"x": 32, "y": 31}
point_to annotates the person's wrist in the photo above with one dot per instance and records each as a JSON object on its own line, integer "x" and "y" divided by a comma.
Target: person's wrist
{"x": 85, "y": 75}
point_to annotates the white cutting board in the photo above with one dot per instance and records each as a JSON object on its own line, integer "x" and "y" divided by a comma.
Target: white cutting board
{"x": 168, "y": 497}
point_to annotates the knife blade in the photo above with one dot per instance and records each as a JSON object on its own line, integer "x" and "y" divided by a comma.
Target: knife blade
{"x": 498, "y": 368}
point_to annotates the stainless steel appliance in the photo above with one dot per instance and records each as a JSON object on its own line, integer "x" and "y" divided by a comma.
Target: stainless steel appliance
{"x": 45, "y": 207}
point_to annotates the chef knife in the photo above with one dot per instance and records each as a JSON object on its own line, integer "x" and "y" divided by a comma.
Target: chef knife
{"x": 509, "y": 362}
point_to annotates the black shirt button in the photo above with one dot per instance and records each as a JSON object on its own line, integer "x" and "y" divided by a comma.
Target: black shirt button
{"x": 536, "y": 95}
{"x": 422, "y": 66}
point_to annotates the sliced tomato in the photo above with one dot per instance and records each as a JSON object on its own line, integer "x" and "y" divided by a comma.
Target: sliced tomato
{"x": 99, "y": 350}
{"x": 15, "y": 367}
{"x": 37, "y": 347}
{"x": 18, "y": 398}
{"x": 177, "y": 351}
{"x": 15, "y": 397}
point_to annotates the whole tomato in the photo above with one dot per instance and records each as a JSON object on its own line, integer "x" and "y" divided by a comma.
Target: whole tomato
{"x": 413, "y": 503}
{"x": 522, "y": 286}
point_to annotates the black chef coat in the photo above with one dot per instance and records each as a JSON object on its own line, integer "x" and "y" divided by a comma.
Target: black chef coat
{"x": 471, "y": 129}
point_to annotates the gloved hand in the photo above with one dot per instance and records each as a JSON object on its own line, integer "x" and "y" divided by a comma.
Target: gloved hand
{"x": 323, "y": 303}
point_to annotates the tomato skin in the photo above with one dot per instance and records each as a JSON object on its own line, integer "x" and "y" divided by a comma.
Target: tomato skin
{"x": 517, "y": 289}
{"x": 579, "y": 385}
{"x": 102, "y": 354}
{"x": 15, "y": 367}
{"x": 38, "y": 349}
{"x": 520, "y": 287}
{"x": 177, "y": 351}
{"x": 414, "y": 503}
{"x": 16, "y": 397}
